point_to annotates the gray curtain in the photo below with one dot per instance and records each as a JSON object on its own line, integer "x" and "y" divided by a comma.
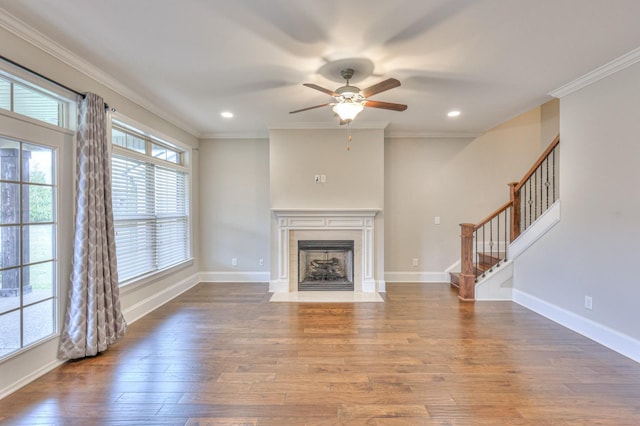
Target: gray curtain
{"x": 93, "y": 319}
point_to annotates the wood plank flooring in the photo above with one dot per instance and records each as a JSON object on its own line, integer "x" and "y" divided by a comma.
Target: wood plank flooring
{"x": 222, "y": 354}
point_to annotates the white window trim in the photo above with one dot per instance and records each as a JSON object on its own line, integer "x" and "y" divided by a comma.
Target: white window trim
{"x": 35, "y": 122}
{"x": 137, "y": 127}
{"x": 25, "y": 78}
{"x": 56, "y": 147}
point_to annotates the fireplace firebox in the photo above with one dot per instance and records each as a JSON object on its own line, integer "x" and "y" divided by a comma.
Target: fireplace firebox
{"x": 325, "y": 265}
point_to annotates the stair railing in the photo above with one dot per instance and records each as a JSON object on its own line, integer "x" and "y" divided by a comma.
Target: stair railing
{"x": 485, "y": 246}
{"x": 536, "y": 191}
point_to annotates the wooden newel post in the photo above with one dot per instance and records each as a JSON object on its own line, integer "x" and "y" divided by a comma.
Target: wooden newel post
{"x": 515, "y": 210}
{"x": 467, "y": 270}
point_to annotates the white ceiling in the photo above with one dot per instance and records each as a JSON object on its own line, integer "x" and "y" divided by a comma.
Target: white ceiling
{"x": 192, "y": 59}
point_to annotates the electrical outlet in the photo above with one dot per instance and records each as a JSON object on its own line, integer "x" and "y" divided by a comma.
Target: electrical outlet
{"x": 234, "y": 261}
{"x": 436, "y": 220}
{"x": 588, "y": 302}
{"x": 261, "y": 262}
{"x": 415, "y": 261}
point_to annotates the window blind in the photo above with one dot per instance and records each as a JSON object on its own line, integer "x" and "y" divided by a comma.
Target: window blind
{"x": 151, "y": 215}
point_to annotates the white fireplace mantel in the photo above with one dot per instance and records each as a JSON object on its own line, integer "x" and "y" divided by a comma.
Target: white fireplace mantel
{"x": 325, "y": 224}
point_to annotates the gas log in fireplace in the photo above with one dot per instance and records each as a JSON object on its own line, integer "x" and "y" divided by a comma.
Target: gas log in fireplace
{"x": 325, "y": 265}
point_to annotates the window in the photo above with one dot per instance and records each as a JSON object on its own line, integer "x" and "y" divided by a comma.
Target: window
{"x": 28, "y": 261}
{"x": 150, "y": 203}
{"x": 31, "y": 101}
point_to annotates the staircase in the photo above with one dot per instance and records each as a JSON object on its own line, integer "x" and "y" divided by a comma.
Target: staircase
{"x": 486, "y": 263}
{"x": 485, "y": 245}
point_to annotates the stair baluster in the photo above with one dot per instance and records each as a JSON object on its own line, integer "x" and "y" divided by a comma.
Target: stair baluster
{"x": 474, "y": 259}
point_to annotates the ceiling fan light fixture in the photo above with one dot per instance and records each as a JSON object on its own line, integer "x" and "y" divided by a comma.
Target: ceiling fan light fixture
{"x": 348, "y": 92}
{"x": 348, "y": 110}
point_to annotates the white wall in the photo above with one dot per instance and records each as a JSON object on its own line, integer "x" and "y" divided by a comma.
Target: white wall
{"x": 234, "y": 194}
{"x": 594, "y": 249}
{"x": 459, "y": 180}
{"x": 136, "y": 299}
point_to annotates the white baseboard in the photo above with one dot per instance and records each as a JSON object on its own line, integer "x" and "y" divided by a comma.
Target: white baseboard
{"x": 235, "y": 277}
{"x": 416, "y": 277}
{"x": 143, "y": 307}
{"x": 604, "y": 335}
{"x": 30, "y": 377}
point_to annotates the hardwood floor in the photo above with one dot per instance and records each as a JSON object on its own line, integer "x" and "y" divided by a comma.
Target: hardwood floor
{"x": 222, "y": 354}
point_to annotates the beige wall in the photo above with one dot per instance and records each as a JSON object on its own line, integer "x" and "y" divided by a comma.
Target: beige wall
{"x": 594, "y": 248}
{"x": 550, "y": 122}
{"x": 235, "y": 205}
{"x": 355, "y": 178}
{"x": 459, "y": 180}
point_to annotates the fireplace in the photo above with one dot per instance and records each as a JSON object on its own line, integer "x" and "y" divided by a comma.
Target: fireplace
{"x": 325, "y": 265}
{"x": 294, "y": 226}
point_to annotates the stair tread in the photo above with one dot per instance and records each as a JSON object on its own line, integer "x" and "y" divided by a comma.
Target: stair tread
{"x": 480, "y": 270}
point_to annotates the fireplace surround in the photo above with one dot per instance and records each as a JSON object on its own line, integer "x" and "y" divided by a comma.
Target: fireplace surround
{"x": 328, "y": 225}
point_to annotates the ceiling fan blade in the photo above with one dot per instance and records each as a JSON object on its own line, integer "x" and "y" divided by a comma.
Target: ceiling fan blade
{"x": 320, "y": 88}
{"x": 307, "y": 109}
{"x": 385, "y": 105}
{"x": 387, "y": 84}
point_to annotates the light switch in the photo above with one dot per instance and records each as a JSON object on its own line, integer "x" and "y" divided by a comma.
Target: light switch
{"x": 437, "y": 220}
{"x": 323, "y": 178}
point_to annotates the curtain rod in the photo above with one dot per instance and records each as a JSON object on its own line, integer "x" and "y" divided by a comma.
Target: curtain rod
{"x": 50, "y": 80}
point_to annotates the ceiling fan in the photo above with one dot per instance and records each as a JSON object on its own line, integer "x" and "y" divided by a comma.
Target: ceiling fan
{"x": 350, "y": 100}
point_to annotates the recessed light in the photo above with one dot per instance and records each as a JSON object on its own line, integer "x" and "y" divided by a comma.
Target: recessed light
{"x": 454, "y": 113}
{"x": 226, "y": 114}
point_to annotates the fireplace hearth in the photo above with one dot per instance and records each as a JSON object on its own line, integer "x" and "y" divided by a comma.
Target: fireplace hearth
{"x": 325, "y": 265}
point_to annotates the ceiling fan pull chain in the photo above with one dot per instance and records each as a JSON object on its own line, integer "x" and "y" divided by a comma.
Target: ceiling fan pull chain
{"x": 349, "y": 136}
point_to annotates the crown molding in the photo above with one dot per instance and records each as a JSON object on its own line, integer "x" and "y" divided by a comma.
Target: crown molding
{"x": 332, "y": 126}
{"x": 432, "y": 135}
{"x": 236, "y": 135}
{"x": 599, "y": 73}
{"x": 44, "y": 43}
{"x": 362, "y": 125}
